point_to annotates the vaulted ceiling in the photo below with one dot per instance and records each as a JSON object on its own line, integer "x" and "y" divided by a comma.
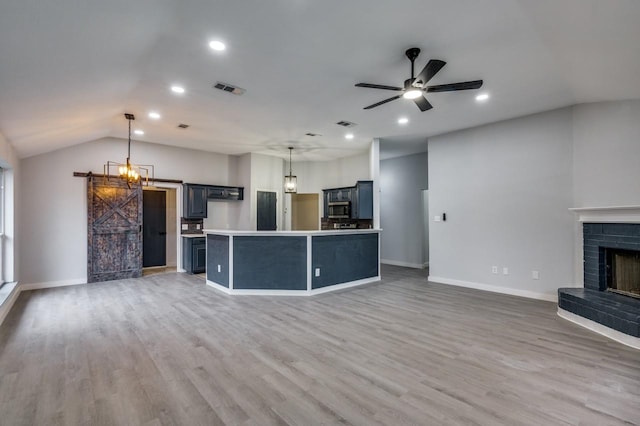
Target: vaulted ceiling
{"x": 69, "y": 69}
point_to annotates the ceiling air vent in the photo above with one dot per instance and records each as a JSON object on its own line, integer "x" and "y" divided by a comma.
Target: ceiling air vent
{"x": 183, "y": 126}
{"x": 345, "y": 123}
{"x": 229, "y": 88}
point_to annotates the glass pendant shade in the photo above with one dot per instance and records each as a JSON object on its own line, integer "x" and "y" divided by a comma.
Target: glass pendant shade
{"x": 290, "y": 184}
{"x": 290, "y": 181}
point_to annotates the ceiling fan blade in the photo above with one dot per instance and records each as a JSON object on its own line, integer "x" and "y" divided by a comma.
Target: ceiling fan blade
{"x": 382, "y": 102}
{"x": 429, "y": 70}
{"x": 466, "y": 85}
{"x": 378, "y": 86}
{"x": 423, "y": 103}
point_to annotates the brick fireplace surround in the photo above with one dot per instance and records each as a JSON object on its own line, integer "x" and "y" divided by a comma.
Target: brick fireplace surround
{"x": 614, "y": 315}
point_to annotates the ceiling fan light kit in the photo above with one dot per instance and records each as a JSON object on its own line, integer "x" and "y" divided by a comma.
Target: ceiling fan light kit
{"x": 415, "y": 87}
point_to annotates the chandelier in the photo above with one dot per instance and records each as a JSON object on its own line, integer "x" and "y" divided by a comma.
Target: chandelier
{"x": 290, "y": 181}
{"x": 130, "y": 173}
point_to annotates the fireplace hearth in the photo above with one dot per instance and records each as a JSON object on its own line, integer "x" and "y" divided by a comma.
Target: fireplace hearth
{"x": 611, "y": 293}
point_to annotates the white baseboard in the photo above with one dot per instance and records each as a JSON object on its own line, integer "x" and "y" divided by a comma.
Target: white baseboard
{"x": 51, "y": 284}
{"x": 496, "y": 289}
{"x": 337, "y": 287}
{"x": 405, "y": 264}
{"x": 252, "y": 292}
{"x": 612, "y": 334}
{"x": 8, "y": 303}
{"x": 218, "y": 287}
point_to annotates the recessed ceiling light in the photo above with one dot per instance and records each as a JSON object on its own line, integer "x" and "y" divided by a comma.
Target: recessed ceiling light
{"x": 412, "y": 94}
{"x": 482, "y": 97}
{"x": 217, "y": 45}
{"x": 177, "y": 89}
{"x": 403, "y": 120}
{"x": 138, "y": 132}
{"x": 154, "y": 115}
{"x": 349, "y": 136}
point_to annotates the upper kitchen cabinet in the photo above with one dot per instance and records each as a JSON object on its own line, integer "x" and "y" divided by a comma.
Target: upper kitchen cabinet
{"x": 195, "y": 201}
{"x": 196, "y": 197}
{"x": 340, "y": 194}
{"x": 231, "y": 193}
{"x": 363, "y": 200}
{"x": 359, "y": 197}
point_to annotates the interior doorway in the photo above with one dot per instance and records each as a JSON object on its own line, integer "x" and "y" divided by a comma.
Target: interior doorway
{"x": 305, "y": 214}
{"x": 154, "y": 228}
{"x": 425, "y": 228}
{"x": 266, "y": 211}
{"x": 159, "y": 228}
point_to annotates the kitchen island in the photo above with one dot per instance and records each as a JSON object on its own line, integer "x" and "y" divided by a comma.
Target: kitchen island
{"x": 291, "y": 263}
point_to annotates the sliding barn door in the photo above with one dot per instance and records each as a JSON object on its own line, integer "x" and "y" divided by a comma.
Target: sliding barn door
{"x": 115, "y": 230}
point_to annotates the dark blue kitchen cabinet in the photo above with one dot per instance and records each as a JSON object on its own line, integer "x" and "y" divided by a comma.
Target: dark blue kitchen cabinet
{"x": 362, "y": 204}
{"x": 359, "y": 196}
{"x": 196, "y": 197}
{"x": 195, "y": 201}
{"x": 194, "y": 254}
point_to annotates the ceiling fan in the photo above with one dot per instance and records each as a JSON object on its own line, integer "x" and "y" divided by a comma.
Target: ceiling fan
{"x": 416, "y": 86}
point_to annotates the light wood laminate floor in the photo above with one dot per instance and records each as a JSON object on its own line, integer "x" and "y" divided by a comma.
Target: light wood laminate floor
{"x": 165, "y": 349}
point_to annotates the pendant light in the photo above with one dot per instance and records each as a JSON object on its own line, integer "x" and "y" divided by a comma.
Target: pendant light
{"x": 131, "y": 173}
{"x": 290, "y": 181}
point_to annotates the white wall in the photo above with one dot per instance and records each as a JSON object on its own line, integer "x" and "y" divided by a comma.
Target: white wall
{"x": 402, "y": 180}
{"x": 240, "y": 213}
{"x": 10, "y": 246}
{"x": 53, "y": 227}
{"x": 374, "y": 175}
{"x": 172, "y": 227}
{"x": 506, "y": 189}
{"x": 314, "y": 176}
{"x": 607, "y": 154}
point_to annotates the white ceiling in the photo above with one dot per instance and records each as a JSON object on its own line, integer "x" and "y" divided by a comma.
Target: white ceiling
{"x": 69, "y": 69}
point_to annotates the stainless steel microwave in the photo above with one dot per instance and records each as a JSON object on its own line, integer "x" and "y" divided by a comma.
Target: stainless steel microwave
{"x": 339, "y": 210}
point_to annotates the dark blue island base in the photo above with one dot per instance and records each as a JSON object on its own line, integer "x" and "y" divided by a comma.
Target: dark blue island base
{"x": 293, "y": 263}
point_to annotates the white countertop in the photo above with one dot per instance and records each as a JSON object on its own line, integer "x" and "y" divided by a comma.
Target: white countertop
{"x": 193, "y": 235}
{"x": 290, "y": 233}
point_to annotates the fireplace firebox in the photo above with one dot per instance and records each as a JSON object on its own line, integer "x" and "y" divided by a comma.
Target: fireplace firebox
{"x": 623, "y": 271}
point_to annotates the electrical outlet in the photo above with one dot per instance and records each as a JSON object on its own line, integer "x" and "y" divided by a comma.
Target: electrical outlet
{"x": 505, "y": 271}
{"x": 494, "y": 269}
{"x": 535, "y": 275}
{"x": 185, "y": 226}
{"x": 219, "y": 268}
{"x": 317, "y": 272}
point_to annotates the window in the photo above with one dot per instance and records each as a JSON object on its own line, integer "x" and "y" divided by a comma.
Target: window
{"x": 2, "y": 206}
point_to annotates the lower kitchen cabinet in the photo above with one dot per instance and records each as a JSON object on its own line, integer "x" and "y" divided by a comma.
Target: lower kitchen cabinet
{"x": 194, "y": 254}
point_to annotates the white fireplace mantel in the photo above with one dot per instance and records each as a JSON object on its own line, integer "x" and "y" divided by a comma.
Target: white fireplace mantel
{"x": 612, "y": 214}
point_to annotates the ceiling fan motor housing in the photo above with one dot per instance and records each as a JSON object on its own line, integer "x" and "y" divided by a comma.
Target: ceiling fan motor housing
{"x": 412, "y": 53}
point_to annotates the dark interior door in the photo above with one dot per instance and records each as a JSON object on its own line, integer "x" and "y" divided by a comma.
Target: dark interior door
{"x": 266, "y": 211}
{"x": 114, "y": 240}
{"x": 154, "y": 228}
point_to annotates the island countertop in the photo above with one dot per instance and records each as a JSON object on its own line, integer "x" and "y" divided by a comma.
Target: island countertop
{"x": 291, "y": 233}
